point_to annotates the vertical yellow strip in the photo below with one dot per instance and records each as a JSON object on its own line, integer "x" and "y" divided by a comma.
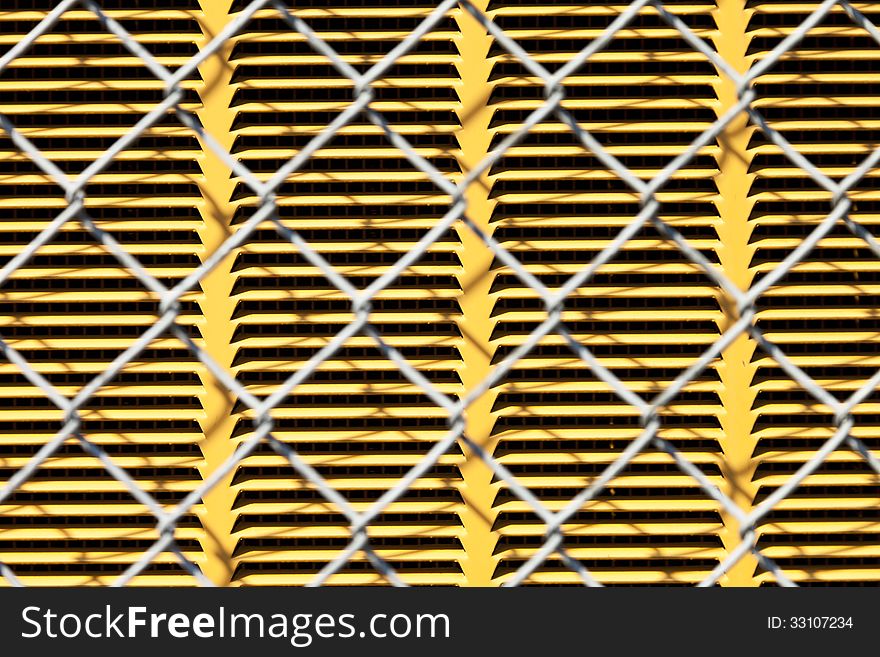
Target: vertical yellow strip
{"x": 476, "y": 323}
{"x": 217, "y": 304}
{"x": 734, "y": 206}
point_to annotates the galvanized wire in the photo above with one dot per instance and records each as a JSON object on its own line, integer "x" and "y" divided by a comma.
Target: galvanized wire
{"x": 554, "y": 301}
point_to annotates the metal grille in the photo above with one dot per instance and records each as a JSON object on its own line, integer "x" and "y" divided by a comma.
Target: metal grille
{"x": 554, "y": 300}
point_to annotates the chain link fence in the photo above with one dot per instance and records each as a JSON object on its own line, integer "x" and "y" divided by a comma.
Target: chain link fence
{"x": 554, "y": 300}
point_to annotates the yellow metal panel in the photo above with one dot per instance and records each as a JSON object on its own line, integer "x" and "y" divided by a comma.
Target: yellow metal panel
{"x": 262, "y": 313}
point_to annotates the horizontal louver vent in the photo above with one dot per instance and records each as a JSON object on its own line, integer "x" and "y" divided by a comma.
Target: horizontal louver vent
{"x": 74, "y": 308}
{"x": 823, "y": 314}
{"x": 362, "y": 206}
{"x": 646, "y": 315}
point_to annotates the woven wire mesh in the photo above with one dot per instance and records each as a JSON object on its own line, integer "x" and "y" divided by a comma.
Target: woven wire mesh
{"x": 169, "y": 305}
